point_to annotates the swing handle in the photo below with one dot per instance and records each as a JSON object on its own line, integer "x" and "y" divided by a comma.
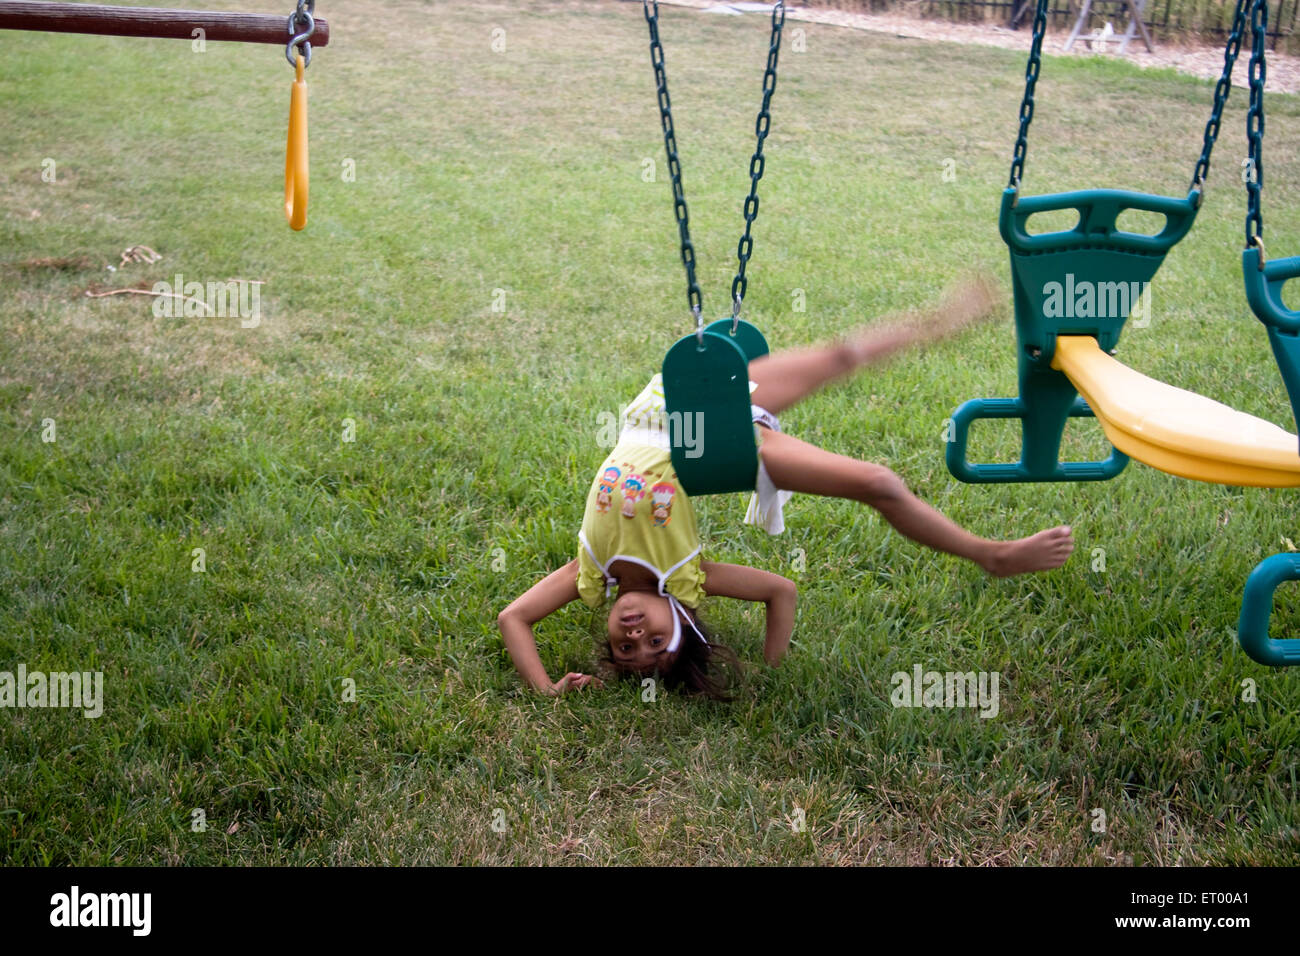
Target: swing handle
{"x": 1264, "y": 282}
{"x": 1098, "y": 211}
{"x": 1257, "y": 607}
{"x": 295, "y": 154}
{"x": 1031, "y": 467}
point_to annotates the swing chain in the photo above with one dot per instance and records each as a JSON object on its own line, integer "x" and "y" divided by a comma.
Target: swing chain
{"x": 1032, "y": 69}
{"x": 302, "y": 24}
{"x": 1255, "y": 125}
{"x": 1221, "y": 91}
{"x": 651, "y": 10}
{"x": 757, "y": 162}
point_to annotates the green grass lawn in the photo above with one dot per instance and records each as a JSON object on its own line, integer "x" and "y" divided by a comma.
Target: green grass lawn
{"x": 497, "y": 275}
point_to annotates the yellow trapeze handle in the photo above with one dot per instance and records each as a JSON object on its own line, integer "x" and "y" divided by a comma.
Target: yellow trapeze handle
{"x": 295, "y": 155}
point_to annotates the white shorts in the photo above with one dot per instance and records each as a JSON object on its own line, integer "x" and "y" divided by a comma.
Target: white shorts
{"x": 767, "y": 501}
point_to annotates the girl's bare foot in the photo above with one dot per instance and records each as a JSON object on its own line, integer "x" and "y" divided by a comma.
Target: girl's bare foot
{"x": 1039, "y": 552}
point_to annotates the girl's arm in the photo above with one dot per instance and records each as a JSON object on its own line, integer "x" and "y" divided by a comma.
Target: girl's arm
{"x": 751, "y": 584}
{"x": 516, "y": 623}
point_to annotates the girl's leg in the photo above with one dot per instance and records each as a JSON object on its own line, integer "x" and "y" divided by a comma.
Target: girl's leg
{"x": 787, "y": 377}
{"x": 795, "y": 465}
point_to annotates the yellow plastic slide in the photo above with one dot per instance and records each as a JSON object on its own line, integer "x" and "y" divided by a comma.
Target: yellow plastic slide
{"x": 1177, "y": 431}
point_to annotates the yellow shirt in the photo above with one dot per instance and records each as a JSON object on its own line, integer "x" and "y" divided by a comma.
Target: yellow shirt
{"x": 637, "y": 512}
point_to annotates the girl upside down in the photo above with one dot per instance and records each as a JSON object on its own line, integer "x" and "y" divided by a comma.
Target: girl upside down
{"x": 639, "y": 547}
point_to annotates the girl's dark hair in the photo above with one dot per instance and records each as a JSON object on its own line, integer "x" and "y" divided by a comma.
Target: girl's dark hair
{"x": 709, "y": 670}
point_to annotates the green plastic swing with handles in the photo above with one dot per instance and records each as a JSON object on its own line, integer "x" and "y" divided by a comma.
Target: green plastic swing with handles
{"x": 706, "y": 373}
{"x": 1264, "y": 281}
{"x": 1177, "y": 431}
{"x": 1097, "y": 255}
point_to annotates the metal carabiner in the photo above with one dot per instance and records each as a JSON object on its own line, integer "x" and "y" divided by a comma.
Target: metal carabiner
{"x": 735, "y": 315}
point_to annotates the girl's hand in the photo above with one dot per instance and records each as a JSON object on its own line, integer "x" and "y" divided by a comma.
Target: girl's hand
{"x": 974, "y": 299}
{"x": 516, "y": 623}
{"x": 574, "y": 681}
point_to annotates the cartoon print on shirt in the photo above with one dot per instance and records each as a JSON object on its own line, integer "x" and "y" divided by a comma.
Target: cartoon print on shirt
{"x": 662, "y": 497}
{"x": 608, "y": 482}
{"x": 633, "y": 491}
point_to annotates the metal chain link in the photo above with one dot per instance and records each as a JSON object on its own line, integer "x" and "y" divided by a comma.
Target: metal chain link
{"x": 1255, "y": 123}
{"x": 1221, "y": 91}
{"x": 651, "y": 10}
{"x": 757, "y": 162}
{"x": 745, "y": 249}
{"x": 302, "y": 24}
{"x": 1027, "y": 104}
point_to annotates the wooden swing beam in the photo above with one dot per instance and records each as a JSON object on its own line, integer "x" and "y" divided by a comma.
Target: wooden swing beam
{"x": 151, "y": 22}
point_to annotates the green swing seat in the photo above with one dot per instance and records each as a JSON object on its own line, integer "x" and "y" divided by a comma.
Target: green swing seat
{"x": 1264, "y": 282}
{"x": 1064, "y": 354}
{"x": 706, "y": 391}
{"x": 706, "y": 373}
{"x": 1096, "y": 254}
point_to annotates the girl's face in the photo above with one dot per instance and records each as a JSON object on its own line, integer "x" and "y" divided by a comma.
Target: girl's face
{"x": 640, "y": 628}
